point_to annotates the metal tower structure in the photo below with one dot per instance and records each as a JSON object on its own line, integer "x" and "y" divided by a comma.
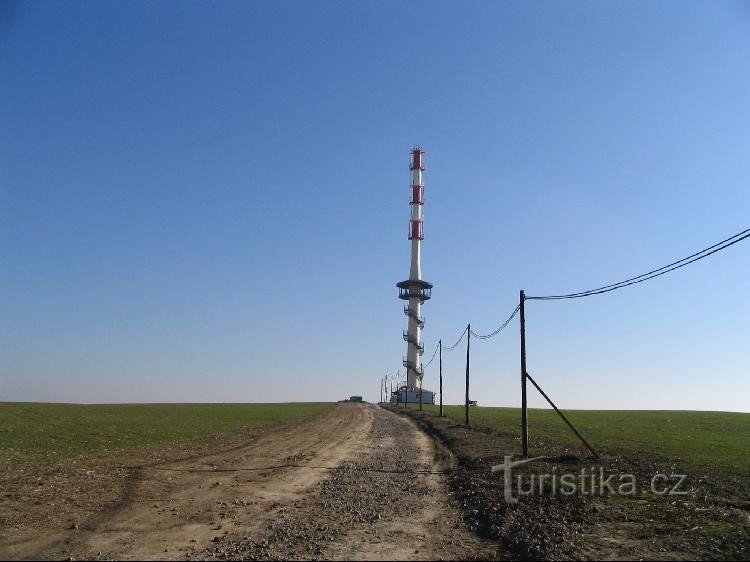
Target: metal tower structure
{"x": 415, "y": 289}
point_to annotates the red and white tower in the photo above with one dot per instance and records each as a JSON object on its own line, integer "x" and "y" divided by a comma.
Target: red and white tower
{"x": 414, "y": 289}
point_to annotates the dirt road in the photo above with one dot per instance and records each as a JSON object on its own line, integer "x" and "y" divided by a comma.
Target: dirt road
{"x": 357, "y": 483}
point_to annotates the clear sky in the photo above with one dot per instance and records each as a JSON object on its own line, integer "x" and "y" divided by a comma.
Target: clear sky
{"x": 209, "y": 201}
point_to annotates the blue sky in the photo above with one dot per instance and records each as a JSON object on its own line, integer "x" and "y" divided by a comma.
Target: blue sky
{"x": 209, "y": 201}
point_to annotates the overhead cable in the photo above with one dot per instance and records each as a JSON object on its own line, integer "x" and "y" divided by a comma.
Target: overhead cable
{"x": 452, "y": 347}
{"x": 739, "y": 237}
{"x": 431, "y": 358}
{"x": 500, "y": 329}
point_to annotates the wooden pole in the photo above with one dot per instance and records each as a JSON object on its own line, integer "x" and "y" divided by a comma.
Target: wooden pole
{"x": 440, "y": 347}
{"x": 406, "y": 389}
{"x": 420, "y": 393}
{"x": 524, "y": 413}
{"x": 468, "y": 344}
{"x": 570, "y": 425}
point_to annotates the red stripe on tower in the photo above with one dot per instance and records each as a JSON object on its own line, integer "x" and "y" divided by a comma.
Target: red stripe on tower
{"x": 416, "y": 230}
{"x": 416, "y": 159}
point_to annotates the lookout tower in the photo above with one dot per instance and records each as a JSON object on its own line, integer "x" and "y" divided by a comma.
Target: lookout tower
{"x": 415, "y": 290}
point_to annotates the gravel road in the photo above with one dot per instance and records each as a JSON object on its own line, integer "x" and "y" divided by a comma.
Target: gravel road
{"x": 357, "y": 483}
{"x": 387, "y": 502}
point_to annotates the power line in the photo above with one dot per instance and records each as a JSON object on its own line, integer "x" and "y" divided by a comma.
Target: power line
{"x": 500, "y": 329}
{"x": 431, "y": 358}
{"x": 452, "y": 347}
{"x": 739, "y": 237}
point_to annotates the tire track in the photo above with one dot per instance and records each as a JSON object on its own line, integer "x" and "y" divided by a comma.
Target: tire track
{"x": 388, "y": 502}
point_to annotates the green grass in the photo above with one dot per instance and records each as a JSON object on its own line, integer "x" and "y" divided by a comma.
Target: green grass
{"x": 69, "y": 429}
{"x": 711, "y": 441}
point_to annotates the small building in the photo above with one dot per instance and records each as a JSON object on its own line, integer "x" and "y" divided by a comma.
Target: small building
{"x": 411, "y": 396}
{"x": 355, "y": 399}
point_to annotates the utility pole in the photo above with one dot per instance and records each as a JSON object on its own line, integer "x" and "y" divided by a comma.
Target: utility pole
{"x": 524, "y": 412}
{"x": 406, "y": 389}
{"x": 440, "y": 347}
{"x": 420, "y": 393}
{"x": 468, "y": 344}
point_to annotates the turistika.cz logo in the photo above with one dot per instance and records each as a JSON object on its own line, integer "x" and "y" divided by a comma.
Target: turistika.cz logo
{"x": 589, "y": 482}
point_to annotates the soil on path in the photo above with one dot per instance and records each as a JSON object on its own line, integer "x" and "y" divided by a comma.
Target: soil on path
{"x": 388, "y": 501}
{"x": 357, "y": 483}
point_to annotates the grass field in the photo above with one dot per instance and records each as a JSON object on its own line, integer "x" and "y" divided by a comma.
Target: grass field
{"x": 713, "y": 441}
{"x": 707, "y": 518}
{"x": 69, "y": 429}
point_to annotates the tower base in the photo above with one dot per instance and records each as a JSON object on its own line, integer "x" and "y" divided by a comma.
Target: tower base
{"x": 411, "y": 396}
